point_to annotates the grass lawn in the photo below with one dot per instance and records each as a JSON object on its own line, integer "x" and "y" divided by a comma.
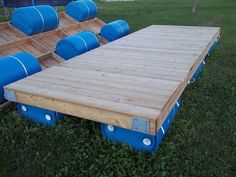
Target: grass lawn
{"x": 201, "y": 141}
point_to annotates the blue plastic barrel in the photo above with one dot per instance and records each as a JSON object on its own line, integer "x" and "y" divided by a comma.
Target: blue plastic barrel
{"x": 77, "y": 44}
{"x": 35, "y": 19}
{"x": 39, "y": 115}
{"x": 137, "y": 139}
{"x": 16, "y": 66}
{"x": 134, "y": 138}
{"x": 82, "y": 10}
{"x": 115, "y": 30}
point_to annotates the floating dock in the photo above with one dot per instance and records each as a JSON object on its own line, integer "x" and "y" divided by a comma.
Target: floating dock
{"x": 138, "y": 77}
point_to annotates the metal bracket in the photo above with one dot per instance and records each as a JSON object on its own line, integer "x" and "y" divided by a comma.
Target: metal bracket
{"x": 140, "y": 125}
{"x": 10, "y": 95}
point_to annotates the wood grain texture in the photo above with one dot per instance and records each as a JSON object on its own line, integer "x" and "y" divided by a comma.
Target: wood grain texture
{"x": 9, "y": 33}
{"x": 93, "y": 25}
{"x": 65, "y": 20}
{"x": 49, "y": 39}
{"x": 49, "y": 59}
{"x": 26, "y": 44}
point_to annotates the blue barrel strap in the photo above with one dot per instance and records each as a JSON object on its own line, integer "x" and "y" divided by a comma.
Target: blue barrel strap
{"x": 83, "y": 42}
{"x": 162, "y": 129}
{"x": 94, "y": 5}
{"x": 23, "y": 66}
{"x": 41, "y": 18}
{"x": 95, "y": 38}
{"x": 56, "y": 15}
{"x": 87, "y": 9}
{"x": 117, "y": 24}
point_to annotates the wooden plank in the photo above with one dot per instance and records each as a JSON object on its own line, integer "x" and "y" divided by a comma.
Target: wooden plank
{"x": 94, "y": 25}
{"x": 174, "y": 97}
{"x": 188, "y": 29}
{"x": 173, "y": 74}
{"x": 49, "y": 59}
{"x": 8, "y": 33}
{"x": 148, "y": 57}
{"x": 38, "y": 90}
{"x": 102, "y": 40}
{"x": 73, "y": 29}
{"x": 49, "y": 39}
{"x": 27, "y": 44}
{"x": 65, "y": 20}
{"x": 135, "y": 76}
{"x": 109, "y": 78}
{"x": 79, "y": 27}
{"x": 96, "y": 91}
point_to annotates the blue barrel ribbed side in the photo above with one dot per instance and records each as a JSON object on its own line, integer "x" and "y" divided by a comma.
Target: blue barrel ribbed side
{"x": 35, "y": 19}
{"x": 115, "y": 30}
{"x": 16, "y": 66}
{"x": 82, "y": 10}
{"x": 77, "y": 44}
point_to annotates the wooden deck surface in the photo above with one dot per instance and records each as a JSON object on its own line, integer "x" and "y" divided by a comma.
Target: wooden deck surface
{"x": 139, "y": 76}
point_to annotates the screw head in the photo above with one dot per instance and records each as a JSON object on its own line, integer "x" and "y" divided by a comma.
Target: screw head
{"x": 48, "y": 117}
{"x": 147, "y": 142}
{"x": 111, "y": 128}
{"x": 24, "y": 108}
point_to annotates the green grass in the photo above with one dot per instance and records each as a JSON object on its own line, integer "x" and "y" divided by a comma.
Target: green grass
{"x": 201, "y": 141}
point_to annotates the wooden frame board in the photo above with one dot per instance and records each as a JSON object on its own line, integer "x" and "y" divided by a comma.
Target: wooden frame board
{"x": 49, "y": 39}
{"x": 140, "y": 76}
{"x": 73, "y": 29}
{"x": 12, "y": 40}
{"x": 102, "y": 40}
{"x": 93, "y": 25}
{"x": 50, "y": 59}
{"x": 9, "y": 33}
{"x": 76, "y": 28}
{"x": 65, "y": 20}
{"x": 27, "y": 44}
